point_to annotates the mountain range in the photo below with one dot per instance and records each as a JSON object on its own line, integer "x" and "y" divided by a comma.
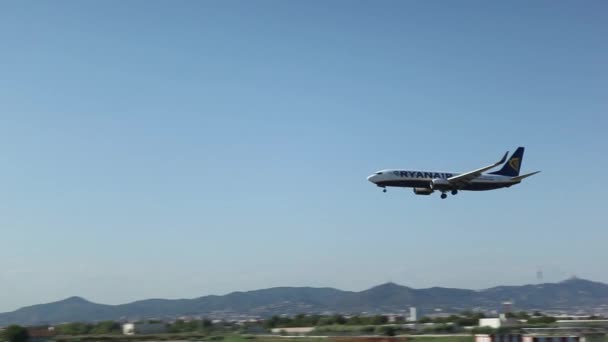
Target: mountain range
{"x": 570, "y": 294}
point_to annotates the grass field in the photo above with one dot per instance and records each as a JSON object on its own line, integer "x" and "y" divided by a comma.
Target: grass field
{"x": 441, "y": 339}
{"x": 330, "y": 339}
{"x": 240, "y": 338}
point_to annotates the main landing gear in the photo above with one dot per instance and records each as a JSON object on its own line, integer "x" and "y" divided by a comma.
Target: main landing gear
{"x": 444, "y": 195}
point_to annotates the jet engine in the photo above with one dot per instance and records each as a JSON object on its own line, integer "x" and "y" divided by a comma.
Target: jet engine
{"x": 440, "y": 184}
{"x": 423, "y": 191}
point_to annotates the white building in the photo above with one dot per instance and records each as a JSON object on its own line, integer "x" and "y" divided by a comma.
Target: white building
{"x": 413, "y": 315}
{"x": 496, "y": 323}
{"x": 293, "y": 331}
{"x": 143, "y": 328}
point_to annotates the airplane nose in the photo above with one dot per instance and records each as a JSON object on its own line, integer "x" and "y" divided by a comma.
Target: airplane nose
{"x": 371, "y": 178}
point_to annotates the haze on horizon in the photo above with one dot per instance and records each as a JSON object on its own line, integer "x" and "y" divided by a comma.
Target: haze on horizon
{"x": 158, "y": 149}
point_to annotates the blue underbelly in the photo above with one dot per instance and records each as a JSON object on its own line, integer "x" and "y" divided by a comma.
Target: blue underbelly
{"x": 475, "y": 186}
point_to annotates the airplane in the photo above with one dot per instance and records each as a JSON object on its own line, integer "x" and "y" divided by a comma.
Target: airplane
{"x": 426, "y": 182}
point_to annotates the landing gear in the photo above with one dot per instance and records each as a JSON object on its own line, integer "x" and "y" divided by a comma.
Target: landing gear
{"x": 454, "y": 192}
{"x": 443, "y": 195}
{"x": 384, "y": 190}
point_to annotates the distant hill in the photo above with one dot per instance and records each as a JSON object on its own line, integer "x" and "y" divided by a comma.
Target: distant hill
{"x": 390, "y": 297}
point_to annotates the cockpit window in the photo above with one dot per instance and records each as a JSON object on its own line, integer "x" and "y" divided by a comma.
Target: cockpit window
{"x": 378, "y": 173}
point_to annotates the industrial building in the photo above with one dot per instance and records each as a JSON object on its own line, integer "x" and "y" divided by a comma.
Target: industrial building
{"x": 546, "y": 335}
{"x": 564, "y": 334}
{"x": 41, "y": 334}
{"x": 549, "y": 337}
{"x": 497, "y": 338}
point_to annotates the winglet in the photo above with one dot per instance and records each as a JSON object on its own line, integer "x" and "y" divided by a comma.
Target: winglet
{"x": 519, "y": 178}
{"x": 504, "y": 158}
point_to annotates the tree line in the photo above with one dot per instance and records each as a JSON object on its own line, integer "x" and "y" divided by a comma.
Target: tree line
{"x": 303, "y": 320}
{"x": 15, "y": 333}
{"x": 359, "y": 323}
{"x": 464, "y": 319}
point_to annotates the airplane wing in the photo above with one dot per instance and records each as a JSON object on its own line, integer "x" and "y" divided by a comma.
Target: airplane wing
{"x": 465, "y": 178}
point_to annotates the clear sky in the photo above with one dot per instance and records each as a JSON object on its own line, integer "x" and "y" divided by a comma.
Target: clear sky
{"x": 181, "y": 148}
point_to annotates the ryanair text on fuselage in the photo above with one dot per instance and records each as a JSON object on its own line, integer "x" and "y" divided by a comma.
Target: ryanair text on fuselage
{"x": 422, "y": 174}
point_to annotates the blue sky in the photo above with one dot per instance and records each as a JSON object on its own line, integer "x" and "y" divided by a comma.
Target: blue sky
{"x": 182, "y": 148}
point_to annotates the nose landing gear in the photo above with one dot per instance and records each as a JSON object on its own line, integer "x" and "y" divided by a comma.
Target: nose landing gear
{"x": 384, "y": 190}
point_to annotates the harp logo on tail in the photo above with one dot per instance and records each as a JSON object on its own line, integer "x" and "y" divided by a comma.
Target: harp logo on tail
{"x": 514, "y": 163}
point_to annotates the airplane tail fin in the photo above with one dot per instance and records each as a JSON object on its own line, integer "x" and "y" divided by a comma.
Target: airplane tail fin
{"x": 512, "y": 166}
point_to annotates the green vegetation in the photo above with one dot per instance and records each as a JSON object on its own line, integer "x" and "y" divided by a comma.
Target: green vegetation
{"x": 285, "y": 339}
{"x": 77, "y": 328}
{"x": 15, "y": 333}
{"x": 386, "y": 330}
{"x": 106, "y": 327}
{"x": 541, "y": 320}
{"x": 181, "y": 326}
{"x": 440, "y": 339}
{"x": 184, "y": 337}
{"x": 302, "y": 320}
{"x": 441, "y": 329}
{"x": 330, "y": 325}
{"x": 355, "y": 330}
{"x": 337, "y": 329}
{"x": 204, "y": 326}
{"x": 535, "y": 318}
{"x": 464, "y": 319}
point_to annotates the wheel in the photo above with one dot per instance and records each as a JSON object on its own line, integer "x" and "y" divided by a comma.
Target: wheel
{"x": 443, "y": 196}
{"x": 383, "y": 190}
{"x": 454, "y": 192}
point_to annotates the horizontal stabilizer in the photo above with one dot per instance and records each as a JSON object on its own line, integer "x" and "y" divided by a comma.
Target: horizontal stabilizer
{"x": 518, "y": 178}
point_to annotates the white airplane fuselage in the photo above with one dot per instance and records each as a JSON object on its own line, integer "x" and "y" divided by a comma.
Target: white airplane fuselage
{"x": 424, "y": 179}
